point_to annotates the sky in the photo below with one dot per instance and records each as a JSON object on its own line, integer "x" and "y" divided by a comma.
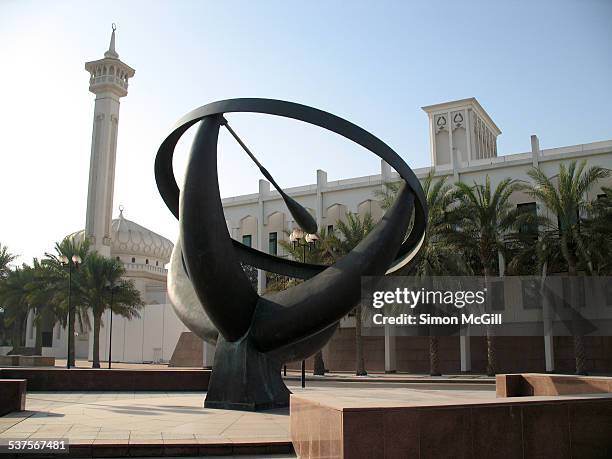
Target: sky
{"x": 537, "y": 67}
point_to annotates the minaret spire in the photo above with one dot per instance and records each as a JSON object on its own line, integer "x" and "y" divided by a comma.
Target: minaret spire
{"x": 108, "y": 80}
{"x": 111, "y": 53}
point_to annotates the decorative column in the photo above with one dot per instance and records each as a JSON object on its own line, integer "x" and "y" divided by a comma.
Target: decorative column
{"x": 535, "y": 151}
{"x": 264, "y": 191}
{"x": 390, "y": 356}
{"x": 321, "y": 185}
{"x": 465, "y": 354}
{"x": 109, "y": 82}
{"x": 386, "y": 175}
{"x": 386, "y": 172}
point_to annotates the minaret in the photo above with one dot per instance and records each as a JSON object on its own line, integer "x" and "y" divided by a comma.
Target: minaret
{"x": 109, "y": 82}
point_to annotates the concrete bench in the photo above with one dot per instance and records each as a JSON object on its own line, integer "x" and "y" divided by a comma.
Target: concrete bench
{"x": 423, "y": 424}
{"x": 12, "y": 395}
{"x": 27, "y": 360}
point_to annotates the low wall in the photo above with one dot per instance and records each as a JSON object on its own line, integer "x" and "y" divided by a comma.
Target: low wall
{"x": 325, "y": 426}
{"x": 12, "y": 395}
{"x": 77, "y": 379}
{"x": 514, "y": 354}
{"x": 12, "y": 360}
{"x": 189, "y": 351}
{"x": 533, "y": 384}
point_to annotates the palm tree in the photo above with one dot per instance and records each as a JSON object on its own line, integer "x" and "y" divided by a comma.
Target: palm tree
{"x": 5, "y": 259}
{"x": 320, "y": 253}
{"x": 40, "y": 292}
{"x": 68, "y": 247}
{"x": 347, "y": 236}
{"x": 387, "y": 195}
{"x": 100, "y": 288}
{"x": 14, "y": 301}
{"x": 438, "y": 255}
{"x": 597, "y": 228}
{"x": 26, "y": 290}
{"x": 567, "y": 198}
{"x": 330, "y": 248}
{"x": 483, "y": 217}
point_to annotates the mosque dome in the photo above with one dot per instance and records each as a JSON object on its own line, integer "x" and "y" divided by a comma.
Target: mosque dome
{"x": 130, "y": 239}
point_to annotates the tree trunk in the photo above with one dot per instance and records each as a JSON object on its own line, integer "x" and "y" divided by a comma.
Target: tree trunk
{"x": 319, "y": 364}
{"x": 434, "y": 361}
{"x": 38, "y": 340}
{"x": 491, "y": 357}
{"x": 17, "y": 335}
{"x": 580, "y": 355}
{"x": 578, "y": 339}
{"x": 360, "y": 364}
{"x": 96, "y": 340}
{"x": 434, "y": 343}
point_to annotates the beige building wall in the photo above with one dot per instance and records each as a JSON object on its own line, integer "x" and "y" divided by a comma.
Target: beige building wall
{"x": 463, "y": 148}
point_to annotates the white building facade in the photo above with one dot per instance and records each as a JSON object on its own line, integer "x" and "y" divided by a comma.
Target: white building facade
{"x": 463, "y": 147}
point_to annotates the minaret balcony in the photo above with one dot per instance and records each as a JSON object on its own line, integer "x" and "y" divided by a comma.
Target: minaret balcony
{"x": 106, "y": 79}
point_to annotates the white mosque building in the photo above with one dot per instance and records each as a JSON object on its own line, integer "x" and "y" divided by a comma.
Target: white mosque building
{"x": 463, "y": 146}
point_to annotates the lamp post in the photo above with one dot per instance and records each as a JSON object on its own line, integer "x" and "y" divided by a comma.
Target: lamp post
{"x": 74, "y": 261}
{"x": 111, "y": 287}
{"x": 306, "y": 241}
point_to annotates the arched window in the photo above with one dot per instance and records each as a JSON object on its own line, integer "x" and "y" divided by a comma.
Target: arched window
{"x": 133, "y": 260}
{"x": 147, "y": 261}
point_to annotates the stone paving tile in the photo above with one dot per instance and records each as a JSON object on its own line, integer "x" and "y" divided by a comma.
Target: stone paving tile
{"x": 177, "y": 436}
{"x": 8, "y": 434}
{"x": 25, "y": 428}
{"x": 143, "y": 438}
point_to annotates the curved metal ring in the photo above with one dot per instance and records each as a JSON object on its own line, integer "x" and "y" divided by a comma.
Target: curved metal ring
{"x": 166, "y": 183}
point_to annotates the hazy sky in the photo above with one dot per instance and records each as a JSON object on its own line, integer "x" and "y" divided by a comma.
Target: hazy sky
{"x": 537, "y": 67}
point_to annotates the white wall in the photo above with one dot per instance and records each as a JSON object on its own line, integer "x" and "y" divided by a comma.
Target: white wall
{"x": 150, "y": 338}
{"x": 349, "y": 194}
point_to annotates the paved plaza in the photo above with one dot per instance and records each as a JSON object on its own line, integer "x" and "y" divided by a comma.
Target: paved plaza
{"x": 162, "y": 417}
{"x": 154, "y": 416}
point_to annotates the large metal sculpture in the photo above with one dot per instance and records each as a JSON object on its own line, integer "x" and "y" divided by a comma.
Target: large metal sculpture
{"x": 255, "y": 334}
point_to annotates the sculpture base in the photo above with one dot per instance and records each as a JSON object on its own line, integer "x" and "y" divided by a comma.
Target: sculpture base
{"x": 245, "y": 379}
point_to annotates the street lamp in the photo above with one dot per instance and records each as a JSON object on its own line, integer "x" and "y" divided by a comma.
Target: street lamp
{"x": 111, "y": 287}
{"x": 74, "y": 261}
{"x": 309, "y": 242}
